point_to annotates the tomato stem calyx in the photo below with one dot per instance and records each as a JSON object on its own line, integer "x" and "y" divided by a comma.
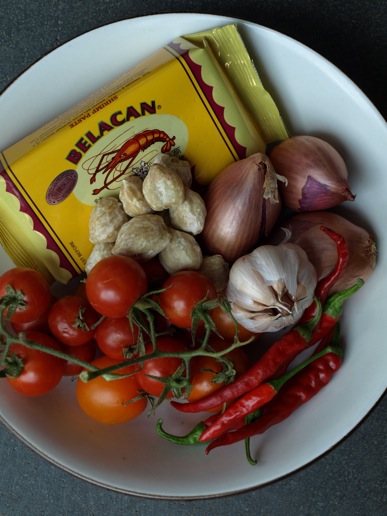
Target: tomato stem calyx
{"x": 146, "y": 307}
{"x": 13, "y": 366}
{"x": 80, "y": 321}
{"x": 12, "y": 301}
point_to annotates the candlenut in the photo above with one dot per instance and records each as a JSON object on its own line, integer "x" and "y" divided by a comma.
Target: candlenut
{"x": 159, "y": 215}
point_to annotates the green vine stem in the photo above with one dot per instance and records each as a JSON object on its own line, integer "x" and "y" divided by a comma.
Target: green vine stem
{"x": 186, "y": 356}
{"x": 9, "y": 338}
{"x": 146, "y": 306}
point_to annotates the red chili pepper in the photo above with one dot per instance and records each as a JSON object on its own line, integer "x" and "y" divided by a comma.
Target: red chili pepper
{"x": 332, "y": 312}
{"x": 279, "y": 355}
{"x": 276, "y": 360}
{"x": 290, "y": 344}
{"x": 256, "y": 398}
{"x": 322, "y": 289}
{"x": 325, "y": 284}
{"x": 298, "y": 391}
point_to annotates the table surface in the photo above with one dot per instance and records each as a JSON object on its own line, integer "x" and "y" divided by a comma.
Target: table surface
{"x": 351, "y": 478}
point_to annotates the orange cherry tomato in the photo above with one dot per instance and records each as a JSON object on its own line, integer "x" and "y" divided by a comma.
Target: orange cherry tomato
{"x": 114, "y": 401}
{"x": 226, "y": 326}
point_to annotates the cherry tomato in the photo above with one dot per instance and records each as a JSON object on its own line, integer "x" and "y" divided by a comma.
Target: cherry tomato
{"x": 114, "y": 284}
{"x": 81, "y": 290}
{"x": 161, "y": 323}
{"x": 71, "y": 320}
{"x": 160, "y": 367}
{"x": 238, "y": 356}
{"x": 155, "y": 272}
{"x": 182, "y": 291}
{"x": 204, "y": 369}
{"x": 84, "y": 352}
{"x": 39, "y": 324}
{"x": 111, "y": 402}
{"x": 41, "y": 372}
{"x": 114, "y": 335}
{"x": 226, "y": 326}
{"x": 34, "y": 289}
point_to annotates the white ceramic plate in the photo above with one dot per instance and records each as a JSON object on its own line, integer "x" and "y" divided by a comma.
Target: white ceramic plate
{"x": 316, "y": 98}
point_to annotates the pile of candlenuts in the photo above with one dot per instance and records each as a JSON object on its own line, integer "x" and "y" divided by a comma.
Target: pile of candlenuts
{"x": 159, "y": 215}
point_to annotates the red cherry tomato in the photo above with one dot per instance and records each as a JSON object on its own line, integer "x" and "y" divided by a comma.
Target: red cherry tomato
{"x": 114, "y": 401}
{"x": 238, "y": 356}
{"x": 85, "y": 352}
{"x": 113, "y": 336}
{"x": 71, "y": 320}
{"x": 81, "y": 290}
{"x": 204, "y": 370}
{"x": 34, "y": 293}
{"x": 155, "y": 272}
{"x": 39, "y": 324}
{"x": 160, "y": 367}
{"x": 182, "y": 291}
{"x": 114, "y": 284}
{"x": 41, "y": 372}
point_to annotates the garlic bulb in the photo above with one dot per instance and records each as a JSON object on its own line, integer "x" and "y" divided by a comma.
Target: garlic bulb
{"x": 271, "y": 287}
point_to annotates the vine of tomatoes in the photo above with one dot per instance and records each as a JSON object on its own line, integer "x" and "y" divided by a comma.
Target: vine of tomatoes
{"x": 126, "y": 344}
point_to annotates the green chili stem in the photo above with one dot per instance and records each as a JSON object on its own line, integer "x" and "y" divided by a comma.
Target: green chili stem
{"x": 191, "y": 438}
{"x": 306, "y": 329}
{"x": 249, "y": 419}
{"x": 335, "y": 302}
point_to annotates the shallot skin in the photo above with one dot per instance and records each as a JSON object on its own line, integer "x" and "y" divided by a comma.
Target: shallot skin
{"x": 243, "y": 205}
{"x": 303, "y": 229}
{"x": 317, "y": 174}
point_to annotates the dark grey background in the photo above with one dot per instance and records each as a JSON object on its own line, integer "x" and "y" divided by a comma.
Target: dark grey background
{"x": 351, "y": 478}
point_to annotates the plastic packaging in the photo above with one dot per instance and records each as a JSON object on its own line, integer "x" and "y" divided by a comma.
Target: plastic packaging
{"x": 181, "y": 101}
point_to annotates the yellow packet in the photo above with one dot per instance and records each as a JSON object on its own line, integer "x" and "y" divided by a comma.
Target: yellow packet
{"x": 178, "y": 101}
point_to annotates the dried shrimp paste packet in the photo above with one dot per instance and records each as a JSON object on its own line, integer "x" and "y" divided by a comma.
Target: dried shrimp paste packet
{"x": 191, "y": 98}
